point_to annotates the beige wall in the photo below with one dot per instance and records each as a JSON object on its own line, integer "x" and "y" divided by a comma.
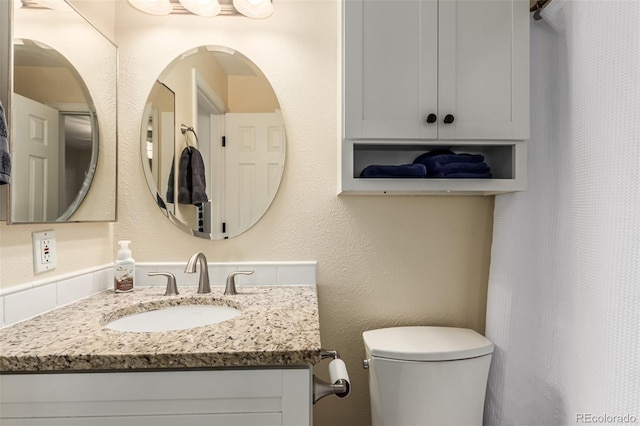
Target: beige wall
{"x": 42, "y": 84}
{"x": 79, "y": 246}
{"x": 382, "y": 261}
{"x": 251, "y": 93}
{"x": 102, "y": 14}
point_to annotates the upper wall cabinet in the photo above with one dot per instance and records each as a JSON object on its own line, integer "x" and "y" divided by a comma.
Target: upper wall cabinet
{"x": 426, "y": 73}
{"x": 436, "y": 69}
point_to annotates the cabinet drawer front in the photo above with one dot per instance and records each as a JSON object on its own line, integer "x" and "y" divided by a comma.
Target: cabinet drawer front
{"x": 282, "y": 394}
{"x": 252, "y": 419}
{"x": 149, "y": 386}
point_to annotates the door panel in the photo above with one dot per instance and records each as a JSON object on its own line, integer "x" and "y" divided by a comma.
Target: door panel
{"x": 254, "y": 162}
{"x": 36, "y": 151}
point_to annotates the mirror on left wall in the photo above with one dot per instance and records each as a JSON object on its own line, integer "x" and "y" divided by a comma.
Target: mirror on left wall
{"x": 62, "y": 118}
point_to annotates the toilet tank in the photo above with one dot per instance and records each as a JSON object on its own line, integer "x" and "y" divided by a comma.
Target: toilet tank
{"x": 427, "y": 375}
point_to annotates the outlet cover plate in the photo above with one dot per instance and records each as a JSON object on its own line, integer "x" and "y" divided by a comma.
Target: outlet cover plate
{"x": 44, "y": 251}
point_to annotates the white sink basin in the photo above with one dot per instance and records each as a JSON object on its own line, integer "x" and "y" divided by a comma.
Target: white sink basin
{"x": 173, "y": 318}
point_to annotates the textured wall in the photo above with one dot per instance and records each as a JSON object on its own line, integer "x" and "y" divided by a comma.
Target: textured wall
{"x": 381, "y": 260}
{"x": 79, "y": 246}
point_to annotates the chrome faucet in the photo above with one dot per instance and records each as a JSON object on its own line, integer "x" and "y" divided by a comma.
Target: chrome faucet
{"x": 230, "y": 288}
{"x": 203, "y": 282}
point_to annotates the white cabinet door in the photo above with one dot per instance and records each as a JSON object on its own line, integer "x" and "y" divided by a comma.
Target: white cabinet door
{"x": 408, "y": 59}
{"x": 483, "y": 69}
{"x": 390, "y": 80}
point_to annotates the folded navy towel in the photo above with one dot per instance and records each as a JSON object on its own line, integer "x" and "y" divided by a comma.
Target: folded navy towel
{"x": 446, "y": 163}
{"x": 448, "y": 168}
{"x": 463, "y": 175}
{"x": 439, "y": 157}
{"x": 391, "y": 171}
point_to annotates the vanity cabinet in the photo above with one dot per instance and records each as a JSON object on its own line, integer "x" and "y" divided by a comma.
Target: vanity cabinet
{"x": 426, "y": 74}
{"x": 246, "y": 396}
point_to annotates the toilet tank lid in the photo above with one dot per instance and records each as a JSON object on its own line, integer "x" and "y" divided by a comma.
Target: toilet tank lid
{"x": 426, "y": 343}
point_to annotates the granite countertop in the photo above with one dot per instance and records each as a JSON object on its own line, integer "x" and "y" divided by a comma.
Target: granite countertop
{"x": 278, "y": 326}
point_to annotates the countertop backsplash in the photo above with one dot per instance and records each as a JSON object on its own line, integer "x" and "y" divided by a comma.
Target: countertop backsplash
{"x": 26, "y": 301}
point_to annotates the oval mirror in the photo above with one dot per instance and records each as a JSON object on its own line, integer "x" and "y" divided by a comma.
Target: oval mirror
{"x": 213, "y": 142}
{"x": 55, "y": 132}
{"x": 62, "y": 112}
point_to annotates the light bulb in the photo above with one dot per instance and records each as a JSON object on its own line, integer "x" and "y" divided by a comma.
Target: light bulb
{"x": 152, "y": 7}
{"x": 53, "y": 4}
{"x": 202, "y": 7}
{"x": 254, "y": 8}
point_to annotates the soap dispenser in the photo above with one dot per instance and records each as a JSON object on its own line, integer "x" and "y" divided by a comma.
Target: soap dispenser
{"x": 124, "y": 269}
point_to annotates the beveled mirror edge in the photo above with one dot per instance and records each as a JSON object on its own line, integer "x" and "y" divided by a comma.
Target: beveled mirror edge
{"x": 6, "y": 63}
{"x": 88, "y": 179}
{"x": 116, "y": 100}
{"x": 6, "y": 23}
{"x": 143, "y": 153}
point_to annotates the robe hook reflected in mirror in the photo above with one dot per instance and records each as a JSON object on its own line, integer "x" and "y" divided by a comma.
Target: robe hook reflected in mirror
{"x": 184, "y": 129}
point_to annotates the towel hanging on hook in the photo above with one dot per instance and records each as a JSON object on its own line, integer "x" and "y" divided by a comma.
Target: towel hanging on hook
{"x": 536, "y": 7}
{"x": 184, "y": 129}
{"x": 191, "y": 174}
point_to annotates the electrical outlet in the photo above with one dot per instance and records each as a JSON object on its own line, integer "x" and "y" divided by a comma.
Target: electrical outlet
{"x": 44, "y": 251}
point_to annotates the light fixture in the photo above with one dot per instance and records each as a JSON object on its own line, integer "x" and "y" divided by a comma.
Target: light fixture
{"x": 41, "y": 4}
{"x": 153, "y": 7}
{"x": 54, "y": 4}
{"x": 250, "y": 8}
{"x": 254, "y": 8}
{"x": 202, "y": 7}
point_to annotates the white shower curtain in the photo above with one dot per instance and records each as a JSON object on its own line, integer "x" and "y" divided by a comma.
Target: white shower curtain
{"x": 564, "y": 287}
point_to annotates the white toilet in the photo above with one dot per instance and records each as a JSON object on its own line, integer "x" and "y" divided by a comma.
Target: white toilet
{"x": 427, "y": 375}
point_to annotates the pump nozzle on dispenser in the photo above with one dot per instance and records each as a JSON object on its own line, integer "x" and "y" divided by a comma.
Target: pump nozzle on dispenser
{"x": 125, "y": 251}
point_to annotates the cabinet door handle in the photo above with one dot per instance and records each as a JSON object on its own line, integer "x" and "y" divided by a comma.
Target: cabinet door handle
{"x": 448, "y": 119}
{"x": 431, "y": 118}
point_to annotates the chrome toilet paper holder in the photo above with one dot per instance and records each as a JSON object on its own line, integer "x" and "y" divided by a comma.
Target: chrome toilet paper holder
{"x": 339, "y": 386}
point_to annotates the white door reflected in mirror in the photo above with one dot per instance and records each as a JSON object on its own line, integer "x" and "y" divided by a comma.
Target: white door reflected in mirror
{"x": 35, "y": 185}
{"x": 256, "y": 160}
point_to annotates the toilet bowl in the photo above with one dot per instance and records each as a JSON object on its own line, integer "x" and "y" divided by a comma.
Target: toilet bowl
{"x": 427, "y": 375}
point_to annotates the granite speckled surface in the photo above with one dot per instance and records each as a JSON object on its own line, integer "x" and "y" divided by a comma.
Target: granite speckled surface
{"x": 278, "y": 326}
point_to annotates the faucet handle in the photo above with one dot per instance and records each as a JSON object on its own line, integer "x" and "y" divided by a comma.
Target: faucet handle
{"x": 230, "y": 288}
{"x": 172, "y": 288}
